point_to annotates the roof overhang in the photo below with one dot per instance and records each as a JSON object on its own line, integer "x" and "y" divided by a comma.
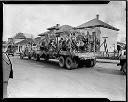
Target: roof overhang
{"x": 97, "y": 26}
{"x": 42, "y": 34}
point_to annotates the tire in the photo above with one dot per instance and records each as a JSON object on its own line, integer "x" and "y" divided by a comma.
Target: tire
{"x": 36, "y": 57}
{"x": 88, "y": 63}
{"x": 46, "y": 58}
{"x": 124, "y": 68}
{"x": 75, "y": 64}
{"x": 80, "y": 65}
{"x": 61, "y": 62}
{"x": 69, "y": 63}
{"x": 29, "y": 56}
{"x": 93, "y": 63}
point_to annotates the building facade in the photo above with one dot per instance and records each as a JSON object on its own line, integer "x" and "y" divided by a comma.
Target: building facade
{"x": 20, "y": 41}
{"x": 105, "y": 33}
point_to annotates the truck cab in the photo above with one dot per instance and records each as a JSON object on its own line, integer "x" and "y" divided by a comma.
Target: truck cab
{"x": 75, "y": 59}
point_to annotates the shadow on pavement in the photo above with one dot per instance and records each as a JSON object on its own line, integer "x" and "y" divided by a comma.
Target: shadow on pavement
{"x": 49, "y": 64}
{"x": 110, "y": 71}
{"x": 54, "y": 64}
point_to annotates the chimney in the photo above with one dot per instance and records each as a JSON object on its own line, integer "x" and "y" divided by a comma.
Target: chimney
{"x": 97, "y": 16}
{"x": 57, "y": 25}
{"x": 10, "y": 39}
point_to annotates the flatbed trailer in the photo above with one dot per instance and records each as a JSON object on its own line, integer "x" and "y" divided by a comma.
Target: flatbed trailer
{"x": 69, "y": 59}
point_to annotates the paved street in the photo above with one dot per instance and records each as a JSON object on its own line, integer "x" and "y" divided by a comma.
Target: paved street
{"x": 46, "y": 79}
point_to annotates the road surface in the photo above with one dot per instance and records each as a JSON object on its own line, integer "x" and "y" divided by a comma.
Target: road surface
{"x": 41, "y": 79}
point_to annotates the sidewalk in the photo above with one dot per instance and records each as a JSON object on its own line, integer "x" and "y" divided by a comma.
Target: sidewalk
{"x": 107, "y": 61}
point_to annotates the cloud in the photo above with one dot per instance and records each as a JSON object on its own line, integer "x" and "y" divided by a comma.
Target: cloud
{"x": 36, "y": 19}
{"x": 115, "y": 14}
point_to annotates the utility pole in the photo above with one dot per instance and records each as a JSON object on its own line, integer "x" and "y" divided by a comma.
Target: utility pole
{"x": 70, "y": 42}
{"x": 89, "y": 45}
{"x": 94, "y": 40}
{"x": 105, "y": 46}
{"x": 31, "y": 41}
{"x": 114, "y": 49}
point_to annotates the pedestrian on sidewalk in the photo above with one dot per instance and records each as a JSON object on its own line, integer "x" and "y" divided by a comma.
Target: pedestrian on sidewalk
{"x": 7, "y": 73}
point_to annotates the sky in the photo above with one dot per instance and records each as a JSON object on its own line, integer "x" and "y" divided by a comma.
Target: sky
{"x": 36, "y": 18}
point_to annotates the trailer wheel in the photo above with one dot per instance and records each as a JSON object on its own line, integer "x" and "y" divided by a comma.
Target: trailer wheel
{"x": 89, "y": 63}
{"x": 29, "y": 56}
{"x": 92, "y": 63}
{"x": 46, "y": 58}
{"x": 124, "y": 68}
{"x": 36, "y": 57}
{"x": 75, "y": 64}
{"x": 61, "y": 61}
{"x": 69, "y": 63}
{"x": 80, "y": 65}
